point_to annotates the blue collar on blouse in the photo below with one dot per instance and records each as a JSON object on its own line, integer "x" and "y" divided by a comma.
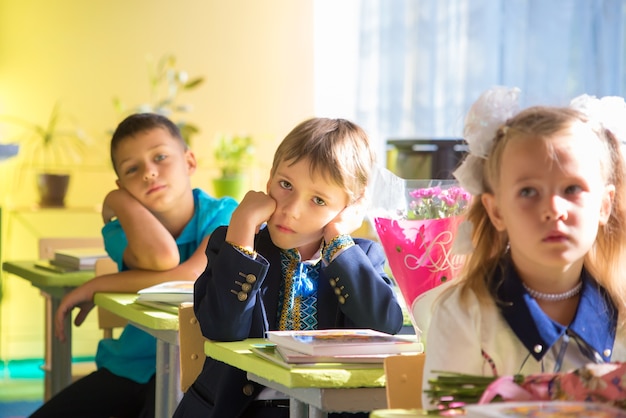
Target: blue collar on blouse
{"x": 595, "y": 320}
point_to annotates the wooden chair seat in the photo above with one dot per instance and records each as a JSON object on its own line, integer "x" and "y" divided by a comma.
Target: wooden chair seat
{"x": 403, "y": 374}
{"x": 191, "y": 346}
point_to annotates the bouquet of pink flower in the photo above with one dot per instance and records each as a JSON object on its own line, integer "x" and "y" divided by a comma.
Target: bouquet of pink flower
{"x": 600, "y": 383}
{"x": 416, "y": 222}
{"x": 437, "y": 202}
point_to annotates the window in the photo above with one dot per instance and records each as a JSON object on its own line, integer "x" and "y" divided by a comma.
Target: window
{"x": 412, "y": 68}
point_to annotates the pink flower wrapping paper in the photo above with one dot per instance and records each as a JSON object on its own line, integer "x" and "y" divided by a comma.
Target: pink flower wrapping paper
{"x": 416, "y": 222}
{"x": 419, "y": 252}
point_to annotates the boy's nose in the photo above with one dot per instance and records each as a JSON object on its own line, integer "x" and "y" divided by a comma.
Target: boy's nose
{"x": 292, "y": 209}
{"x": 150, "y": 173}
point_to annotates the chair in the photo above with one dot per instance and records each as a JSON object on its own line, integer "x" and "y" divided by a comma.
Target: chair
{"x": 191, "y": 346}
{"x": 403, "y": 374}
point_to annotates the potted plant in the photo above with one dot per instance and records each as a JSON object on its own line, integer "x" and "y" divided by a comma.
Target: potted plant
{"x": 166, "y": 83}
{"x": 233, "y": 155}
{"x": 51, "y": 150}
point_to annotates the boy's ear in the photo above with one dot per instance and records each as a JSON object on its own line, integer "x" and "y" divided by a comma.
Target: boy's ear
{"x": 191, "y": 162}
{"x": 117, "y": 183}
{"x": 491, "y": 206}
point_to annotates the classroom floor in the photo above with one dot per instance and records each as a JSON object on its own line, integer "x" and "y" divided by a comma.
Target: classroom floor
{"x": 21, "y": 388}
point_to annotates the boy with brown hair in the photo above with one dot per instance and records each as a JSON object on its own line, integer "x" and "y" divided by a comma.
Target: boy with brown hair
{"x": 156, "y": 229}
{"x": 287, "y": 261}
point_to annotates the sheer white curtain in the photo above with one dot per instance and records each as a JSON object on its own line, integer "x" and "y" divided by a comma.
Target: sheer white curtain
{"x": 423, "y": 62}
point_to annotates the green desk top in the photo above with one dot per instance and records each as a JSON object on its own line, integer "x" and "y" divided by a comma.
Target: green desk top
{"x": 45, "y": 279}
{"x": 237, "y": 354}
{"x": 123, "y": 304}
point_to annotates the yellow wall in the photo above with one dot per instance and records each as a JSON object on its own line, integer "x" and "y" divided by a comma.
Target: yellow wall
{"x": 256, "y": 56}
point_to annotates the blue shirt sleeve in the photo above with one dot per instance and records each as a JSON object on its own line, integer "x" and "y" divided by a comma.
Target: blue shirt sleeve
{"x": 115, "y": 241}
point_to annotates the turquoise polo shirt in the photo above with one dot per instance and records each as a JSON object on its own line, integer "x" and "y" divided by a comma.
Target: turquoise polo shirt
{"x": 133, "y": 355}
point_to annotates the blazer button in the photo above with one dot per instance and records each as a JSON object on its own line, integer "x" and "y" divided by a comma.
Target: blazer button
{"x": 538, "y": 348}
{"x": 242, "y": 296}
{"x": 250, "y": 278}
{"x": 341, "y": 299}
{"x": 248, "y": 389}
{"x": 333, "y": 283}
{"x": 246, "y": 287}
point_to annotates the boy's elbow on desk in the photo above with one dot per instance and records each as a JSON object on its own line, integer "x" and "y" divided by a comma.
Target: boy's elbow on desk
{"x": 156, "y": 261}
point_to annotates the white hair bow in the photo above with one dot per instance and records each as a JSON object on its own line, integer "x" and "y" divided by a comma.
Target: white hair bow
{"x": 609, "y": 111}
{"x": 492, "y": 109}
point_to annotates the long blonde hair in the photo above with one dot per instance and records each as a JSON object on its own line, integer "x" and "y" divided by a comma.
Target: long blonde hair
{"x": 606, "y": 261}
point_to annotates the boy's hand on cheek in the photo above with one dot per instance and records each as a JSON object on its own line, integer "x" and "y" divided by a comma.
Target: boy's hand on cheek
{"x": 255, "y": 209}
{"x": 113, "y": 201}
{"x": 346, "y": 222}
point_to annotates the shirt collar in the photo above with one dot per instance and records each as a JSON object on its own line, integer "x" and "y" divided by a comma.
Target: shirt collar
{"x": 294, "y": 254}
{"x": 595, "y": 320}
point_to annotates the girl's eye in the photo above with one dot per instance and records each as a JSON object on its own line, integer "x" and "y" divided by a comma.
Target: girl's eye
{"x": 285, "y": 184}
{"x": 573, "y": 189}
{"x": 319, "y": 202}
{"x": 160, "y": 157}
{"x": 528, "y": 192}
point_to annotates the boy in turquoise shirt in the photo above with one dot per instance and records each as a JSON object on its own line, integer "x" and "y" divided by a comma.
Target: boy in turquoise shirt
{"x": 156, "y": 229}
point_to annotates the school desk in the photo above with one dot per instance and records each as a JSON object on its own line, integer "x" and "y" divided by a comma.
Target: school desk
{"x": 162, "y": 325}
{"x": 53, "y": 286}
{"x": 313, "y": 392}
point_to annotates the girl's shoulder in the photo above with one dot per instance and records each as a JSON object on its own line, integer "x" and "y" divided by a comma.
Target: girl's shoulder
{"x": 459, "y": 300}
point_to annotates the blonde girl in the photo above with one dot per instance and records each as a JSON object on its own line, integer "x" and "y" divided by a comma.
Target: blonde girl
{"x": 543, "y": 289}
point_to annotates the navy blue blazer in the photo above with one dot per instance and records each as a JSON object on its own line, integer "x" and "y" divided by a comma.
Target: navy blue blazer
{"x": 237, "y": 298}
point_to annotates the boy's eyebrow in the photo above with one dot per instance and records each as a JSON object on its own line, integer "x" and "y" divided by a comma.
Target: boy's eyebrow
{"x": 149, "y": 149}
{"x": 318, "y": 193}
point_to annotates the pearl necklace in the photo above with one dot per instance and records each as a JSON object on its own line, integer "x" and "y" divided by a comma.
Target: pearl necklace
{"x": 554, "y": 297}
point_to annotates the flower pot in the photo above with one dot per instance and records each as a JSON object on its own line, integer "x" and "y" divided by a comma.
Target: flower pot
{"x": 235, "y": 187}
{"x": 52, "y": 189}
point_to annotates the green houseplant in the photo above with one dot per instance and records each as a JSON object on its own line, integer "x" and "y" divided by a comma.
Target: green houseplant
{"x": 51, "y": 150}
{"x": 233, "y": 156}
{"x": 166, "y": 83}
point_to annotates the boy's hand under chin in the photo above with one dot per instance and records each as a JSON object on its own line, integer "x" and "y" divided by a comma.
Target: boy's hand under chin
{"x": 347, "y": 221}
{"x": 255, "y": 209}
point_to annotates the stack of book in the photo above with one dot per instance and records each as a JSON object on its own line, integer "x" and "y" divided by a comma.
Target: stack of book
{"x": 166, "y": 296}
{"x": 346, "y": 348}
{"x": 73, "y": 259}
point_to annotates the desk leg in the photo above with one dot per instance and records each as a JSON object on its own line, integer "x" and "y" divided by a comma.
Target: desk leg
{"x": 167, "y": 391}
{"x": 58, "y": 355}
{"x": 298, "y": 409}
{"x": 316, "y": 413}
